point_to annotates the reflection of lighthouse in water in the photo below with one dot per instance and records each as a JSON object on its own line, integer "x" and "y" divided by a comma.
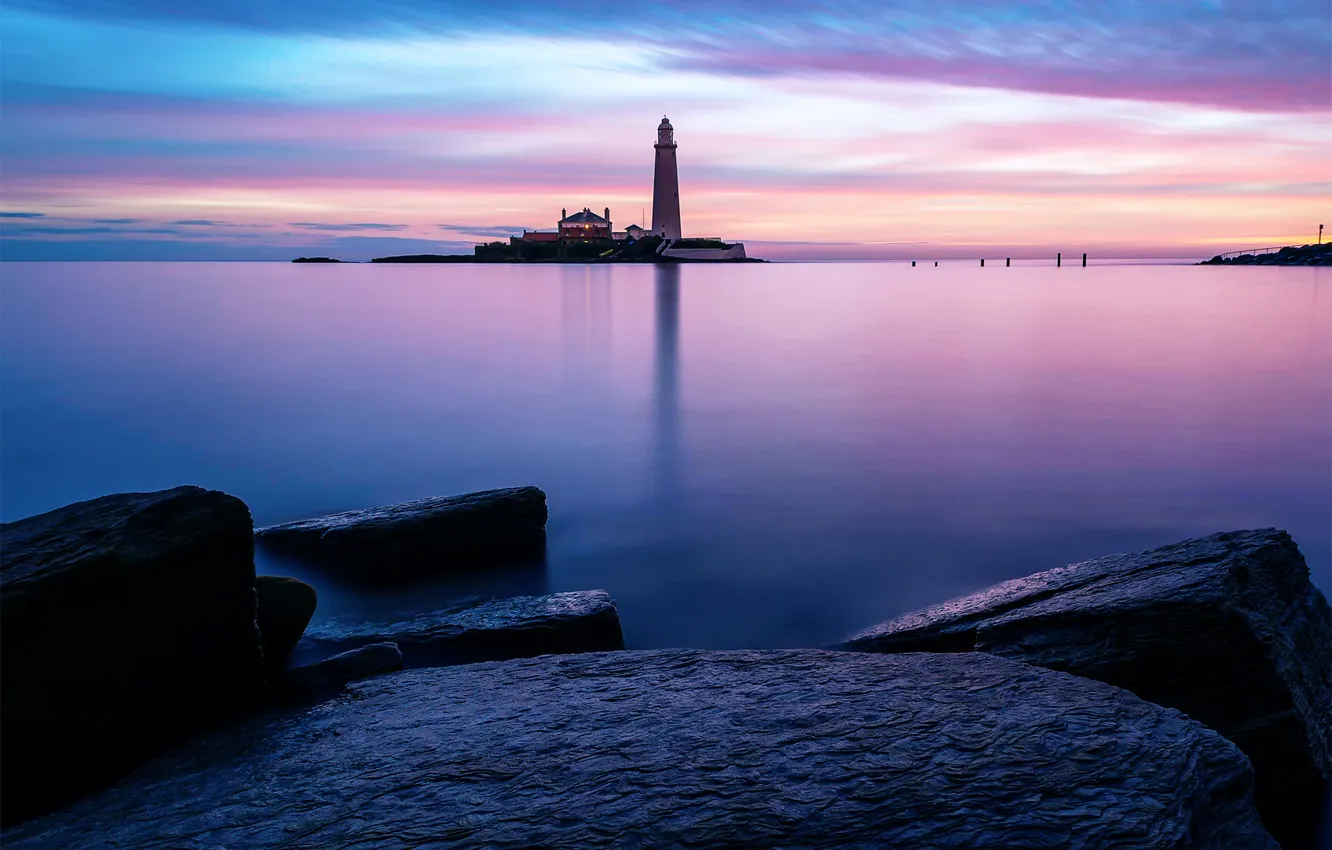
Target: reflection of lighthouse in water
{"x": 666, "y": 184}
{"x": 666, "y": 388}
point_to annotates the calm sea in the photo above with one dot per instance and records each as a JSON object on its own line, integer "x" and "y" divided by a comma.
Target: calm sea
{"x": 749, "y": 456}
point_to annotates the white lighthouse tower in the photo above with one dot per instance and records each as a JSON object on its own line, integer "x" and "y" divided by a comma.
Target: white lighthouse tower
{"x": 666, "y": 184}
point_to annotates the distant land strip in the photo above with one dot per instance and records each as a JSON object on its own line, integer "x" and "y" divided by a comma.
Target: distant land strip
{"x": 467, "y": 258}
{"x": 1291, "y": 255}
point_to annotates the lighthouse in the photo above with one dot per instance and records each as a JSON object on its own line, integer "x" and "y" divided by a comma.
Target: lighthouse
{"x": 666, "y": 184}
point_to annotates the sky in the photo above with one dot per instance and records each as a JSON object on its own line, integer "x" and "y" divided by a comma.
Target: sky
{"x": 908, "y": 129}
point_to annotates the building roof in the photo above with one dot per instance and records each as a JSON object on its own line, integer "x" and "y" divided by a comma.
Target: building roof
{"x": 584, "y": 217}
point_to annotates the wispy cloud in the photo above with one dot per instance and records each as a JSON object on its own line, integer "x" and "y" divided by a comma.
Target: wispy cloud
{"x": 220, "y": 225}
{"x": 56, "y": 230}
{"x": 21, "y": 215}
{"x": 484, "y": 230}
{"x": 116, "y": 221}
{"x": 372, "y": 226}
{"x": 1266, "y": 56}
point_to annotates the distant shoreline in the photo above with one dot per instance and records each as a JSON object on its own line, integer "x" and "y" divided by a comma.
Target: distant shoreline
{"x": 1291, "y": 255}
{"x": 485, "y": 261}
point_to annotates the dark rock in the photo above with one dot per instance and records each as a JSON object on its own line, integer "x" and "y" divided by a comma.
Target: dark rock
{"x": 683, "y": 748}
{"x": 285, "y": 608}
{"x": 1227, "y": 628}
{"x": 561, "y": 623}
{"x": 128, "y": 623}
{"x": 1291, "y": 255}
{"x": 327, "y": 677}
{"x": 427, "y": 258}
{"x": 439, "y": 535}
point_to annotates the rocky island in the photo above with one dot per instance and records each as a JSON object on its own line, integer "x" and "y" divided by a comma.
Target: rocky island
{"x": 1291, "y": 255}
{"x": 647, "y": 249}
{"x": 1177, "y": 697}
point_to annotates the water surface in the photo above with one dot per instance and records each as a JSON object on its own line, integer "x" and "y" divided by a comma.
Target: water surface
{"x": 748, "y": 456}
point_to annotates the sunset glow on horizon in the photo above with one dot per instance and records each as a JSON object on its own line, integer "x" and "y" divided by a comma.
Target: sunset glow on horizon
{"x": 134, "y": 129}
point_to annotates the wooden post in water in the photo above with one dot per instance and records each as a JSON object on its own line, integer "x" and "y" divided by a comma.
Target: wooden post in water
{"x": 913, "y": 264}
{"x": 982, "y": 262}
{"x": 1059, "y": 259}
{"x": 1084, "y": 259}
{"x": 936, "y": 264}
{"x": 1008, "y": 261}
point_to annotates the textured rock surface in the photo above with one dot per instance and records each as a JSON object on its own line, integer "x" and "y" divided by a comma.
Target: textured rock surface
{"x": 521, "y": 627}
{"x": 694, "y": 749}
{"x": 327, "y": 677}
{"x": 128, "y": 622}
{"x": 285, "y": 608}
{"x": 436, "y": 535}
{"x": 1226, "y": 628}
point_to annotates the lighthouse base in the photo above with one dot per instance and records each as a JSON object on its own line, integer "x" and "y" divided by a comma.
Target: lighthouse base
{"x": 731, "y": 252}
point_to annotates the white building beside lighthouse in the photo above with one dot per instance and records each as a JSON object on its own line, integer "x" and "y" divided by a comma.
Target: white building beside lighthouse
{"x": 666, "y": 184}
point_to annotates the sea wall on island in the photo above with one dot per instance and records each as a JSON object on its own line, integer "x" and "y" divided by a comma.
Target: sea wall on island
{"x": 734, "y": 252}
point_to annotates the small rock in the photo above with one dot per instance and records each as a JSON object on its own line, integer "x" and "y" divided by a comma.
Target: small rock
{"x": 438, "y": 535}
{"x": 521, "y": 627}
{"x": 327, "y": 677}
{"x": 285, "y": 608}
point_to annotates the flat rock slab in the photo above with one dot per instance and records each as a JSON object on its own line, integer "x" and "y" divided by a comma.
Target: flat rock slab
{"x": 1226, "y": 628}
{"x": 325, "y": 678}
{"x": 437, "y": 536}
{"x": 682, "y": 748}
{"x": 521, "y": 627}
{"x": 128, "y": 623}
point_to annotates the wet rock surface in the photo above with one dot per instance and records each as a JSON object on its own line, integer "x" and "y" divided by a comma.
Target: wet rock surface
{"x": 434, "y": 536}
{"x": 1226, "y": 628}
{"x": 285, "y": 608}
{"x": 128, "y": 623}
{"x": 327, "y": 677}
{"x": 693, "y": 749}
{"x": 519, "y": 627}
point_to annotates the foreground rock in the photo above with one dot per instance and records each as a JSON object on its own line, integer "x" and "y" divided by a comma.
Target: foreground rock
{"x": 438, "y": 535}
{"x": 694, "y": 749}
{"x": 327, "y": 677}
{"x": 1226, "y": 628}
{"x": 522, "y": 627}
{"x": 285, "y": 608}
{"x": 128, "y": 623}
